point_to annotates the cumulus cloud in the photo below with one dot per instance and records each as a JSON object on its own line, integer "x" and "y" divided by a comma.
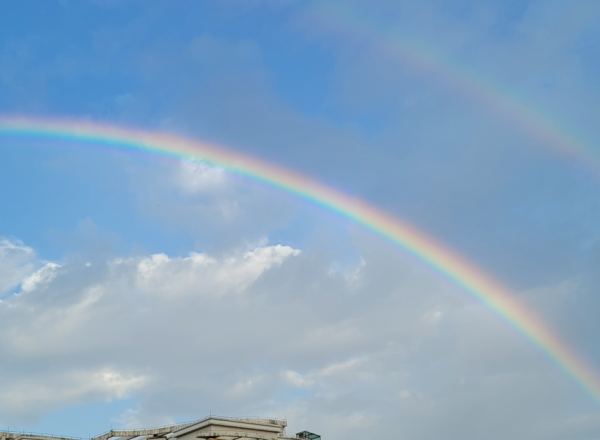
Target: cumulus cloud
{"x": 60, "y": 314}
{"x": 272, "y": 330}
{"x": 338, "y": 369}
{"x": 27, "y": 397}
{"x": 201, "y": 274}
{"x": 42, "y": 276}
{"x": 202, "y": 201}
{"x": 197, "y": 176}
{"x": 16, "y": 261}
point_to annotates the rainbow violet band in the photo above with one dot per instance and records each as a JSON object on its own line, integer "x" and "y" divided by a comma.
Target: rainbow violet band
{"x": 463, "y": 273}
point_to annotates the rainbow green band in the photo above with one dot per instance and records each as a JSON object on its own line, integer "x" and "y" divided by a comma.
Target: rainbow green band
{"x": 397, "y": 231}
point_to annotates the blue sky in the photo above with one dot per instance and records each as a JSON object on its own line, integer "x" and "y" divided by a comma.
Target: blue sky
{"x": 139, "y": 290}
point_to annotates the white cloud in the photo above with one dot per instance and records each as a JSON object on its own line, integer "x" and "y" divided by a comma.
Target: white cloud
{"x": 297, "y": 379}
{"x": 339, "y": 368}
{"x": 198, "y": 176}
{"x": 16, "y": 262}
{"x": 67, "y": 330}
{"x": 313, "y": 378}
{"x": 26, "y": 396}
{"x": 270, "y": 331}
{"x": 199, "y": 273}
{"x": 42, "y": 276}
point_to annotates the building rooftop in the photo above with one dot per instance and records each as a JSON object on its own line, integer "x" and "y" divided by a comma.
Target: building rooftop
{"x": 211, "y": 427}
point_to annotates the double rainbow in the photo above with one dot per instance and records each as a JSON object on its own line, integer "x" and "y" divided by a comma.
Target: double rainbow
{"x": 415, "y": 242}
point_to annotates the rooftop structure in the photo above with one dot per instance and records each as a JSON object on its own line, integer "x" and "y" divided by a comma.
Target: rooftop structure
{"x": 212, "y": 427}
{"x": 308, "y": 435}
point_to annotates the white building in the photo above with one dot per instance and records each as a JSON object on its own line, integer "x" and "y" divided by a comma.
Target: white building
{"x": 218, "y": 428}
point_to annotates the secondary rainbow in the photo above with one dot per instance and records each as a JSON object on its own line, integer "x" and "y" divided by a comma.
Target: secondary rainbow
{"x": 460, "y": 271}
{"x": 425, "y": 60}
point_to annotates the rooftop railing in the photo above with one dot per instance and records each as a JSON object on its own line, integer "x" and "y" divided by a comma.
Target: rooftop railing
{"x": 13, "y": 434}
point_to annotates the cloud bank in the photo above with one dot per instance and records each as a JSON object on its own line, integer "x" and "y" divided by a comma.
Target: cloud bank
{"x": 380, "y": 347}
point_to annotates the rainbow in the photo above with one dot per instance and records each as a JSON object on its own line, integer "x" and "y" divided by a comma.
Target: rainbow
{"x": 424, "y": 59}
{"x": 415, "y": 242}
